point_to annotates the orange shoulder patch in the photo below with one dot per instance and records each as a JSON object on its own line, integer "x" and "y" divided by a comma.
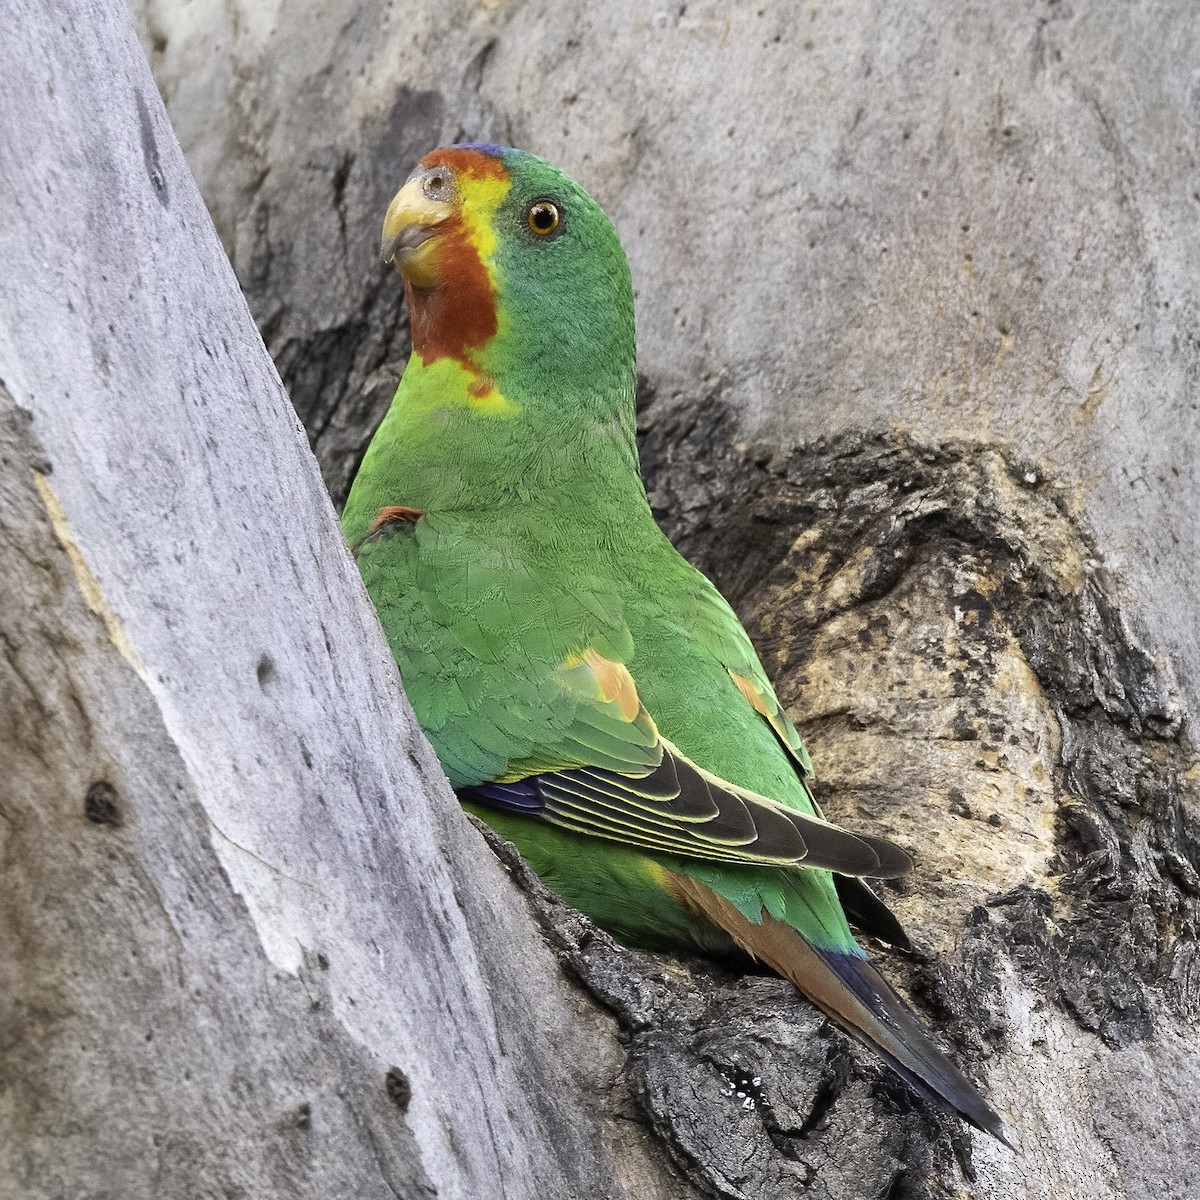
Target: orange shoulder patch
{"x": 616, "y": 683}
{"x": 771, "y": 712}
{"x": 753, "y": 695}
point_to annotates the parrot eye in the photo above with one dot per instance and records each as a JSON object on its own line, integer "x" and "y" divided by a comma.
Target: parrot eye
{"x": 543, "y": 217}
{"x": 439, "y": 185}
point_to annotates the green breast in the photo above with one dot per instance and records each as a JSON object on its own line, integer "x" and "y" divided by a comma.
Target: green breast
{"x": 480, "y": 609}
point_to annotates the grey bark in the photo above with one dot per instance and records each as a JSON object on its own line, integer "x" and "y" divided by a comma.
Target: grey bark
{"x": 902, "y": 446}
{"x": 248, "y": 944}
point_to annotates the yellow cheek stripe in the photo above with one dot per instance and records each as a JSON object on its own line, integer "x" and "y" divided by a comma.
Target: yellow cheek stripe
{"x": 481, "y": 197}
{"x": 446, "y": 380}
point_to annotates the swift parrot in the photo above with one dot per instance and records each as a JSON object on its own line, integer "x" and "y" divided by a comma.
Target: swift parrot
{"x": 590, "y": 694}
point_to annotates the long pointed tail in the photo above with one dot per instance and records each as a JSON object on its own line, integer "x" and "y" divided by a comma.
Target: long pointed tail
{"x": 853, "y": 994}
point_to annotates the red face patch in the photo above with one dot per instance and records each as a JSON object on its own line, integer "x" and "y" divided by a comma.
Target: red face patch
{"x": 458, "y": 313}
{"x": 466, "y": 160}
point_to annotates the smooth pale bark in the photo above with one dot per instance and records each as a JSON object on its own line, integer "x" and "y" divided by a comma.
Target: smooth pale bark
{"x": 249, "y": 946}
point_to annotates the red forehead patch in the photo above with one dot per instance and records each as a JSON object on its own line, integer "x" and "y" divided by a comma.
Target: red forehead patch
{"x": 467, "y": 160}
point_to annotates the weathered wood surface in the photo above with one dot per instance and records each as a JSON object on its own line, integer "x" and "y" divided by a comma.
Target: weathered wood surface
{"x": 249, "y": 946}
{"x": 917, "y": 295}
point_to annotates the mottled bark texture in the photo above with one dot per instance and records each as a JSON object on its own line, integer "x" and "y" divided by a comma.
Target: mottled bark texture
{"x": 917, "y": 292}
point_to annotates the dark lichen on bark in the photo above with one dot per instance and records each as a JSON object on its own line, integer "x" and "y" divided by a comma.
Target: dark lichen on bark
{"x": 748, "y": 1088}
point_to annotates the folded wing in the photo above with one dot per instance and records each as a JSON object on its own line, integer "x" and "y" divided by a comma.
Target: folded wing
{"x": 616, "y": 777}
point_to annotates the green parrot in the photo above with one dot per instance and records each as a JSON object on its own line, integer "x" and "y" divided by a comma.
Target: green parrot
{"x": 590, "y": 694}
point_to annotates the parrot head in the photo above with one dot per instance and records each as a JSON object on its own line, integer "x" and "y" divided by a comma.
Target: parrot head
{"x": 514, "y": 274}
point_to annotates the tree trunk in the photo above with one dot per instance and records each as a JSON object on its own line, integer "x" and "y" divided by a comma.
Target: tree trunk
{"x": 917, "y": 296}
{"x": 248, "y": 944}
